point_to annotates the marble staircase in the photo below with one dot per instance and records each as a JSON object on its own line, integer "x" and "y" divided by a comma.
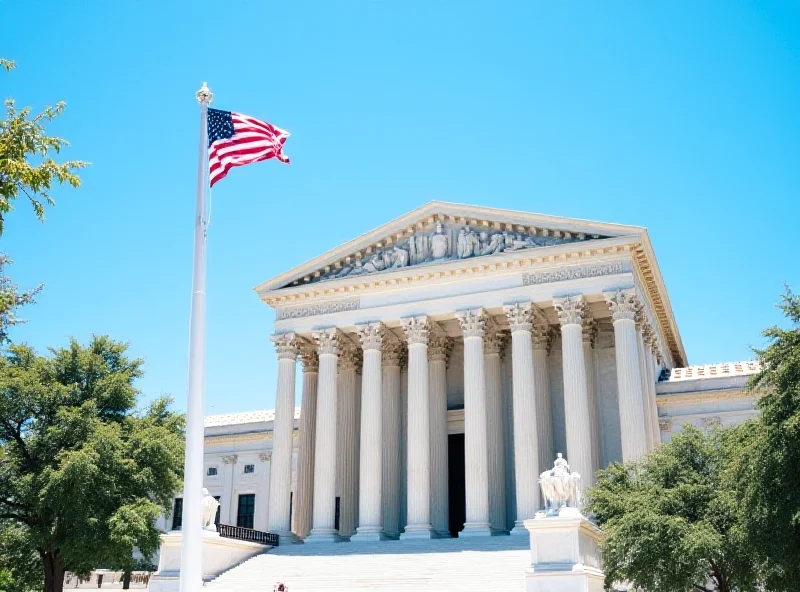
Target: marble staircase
{"x": 458, "y": 565}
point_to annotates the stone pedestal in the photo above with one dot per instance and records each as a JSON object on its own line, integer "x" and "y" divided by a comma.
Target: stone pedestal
{"x": 565, "y": 554}
{"x": 219, "y": 555}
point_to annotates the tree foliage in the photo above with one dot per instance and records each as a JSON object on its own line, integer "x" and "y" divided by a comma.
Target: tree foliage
{"x": 83, "y": 475}
{"x": 767, "y": 473}
{"x": 671, "y": 521}
{"x": 12, "y": 297}
{"x": 27, "y": 165}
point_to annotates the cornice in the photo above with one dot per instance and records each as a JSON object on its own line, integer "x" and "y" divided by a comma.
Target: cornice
{"x": 244, "y": 437}
{"x": 669, "y": 399}
{"x": 646, "y": 268}
{"x": 547, "y": 257}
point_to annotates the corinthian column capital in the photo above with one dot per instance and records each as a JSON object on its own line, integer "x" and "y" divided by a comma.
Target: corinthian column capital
{"x": 328, "y": 341}
{"x": 520, "y": 316}
{"x": 371, "y": 335}
{"x": 589, "y": 330}
{"x": 286, "y": 345}
{"x": 439, "y": 348}
{"x": 350, "y": 356}
{"x": 473, "y": 322}
{"x": 309, "y": 358}
{"x": 392, "y": 354}
{"x": 623, "y": 304}
{"x": 571, "y": 310}
{"x": 542, "y": 337}
{"x": 416, "y": 329}
{"x": 495, "y": 340}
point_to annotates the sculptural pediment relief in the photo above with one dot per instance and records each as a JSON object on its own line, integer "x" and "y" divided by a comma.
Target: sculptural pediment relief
{"x": 443, "y": 242}
{"x": 440, "y": 232}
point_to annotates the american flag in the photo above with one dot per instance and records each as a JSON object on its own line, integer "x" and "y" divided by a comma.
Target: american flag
{"x": 235, "y": 139}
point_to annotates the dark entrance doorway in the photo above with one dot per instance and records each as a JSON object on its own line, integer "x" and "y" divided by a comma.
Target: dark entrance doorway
{"x": 456, "y": 484}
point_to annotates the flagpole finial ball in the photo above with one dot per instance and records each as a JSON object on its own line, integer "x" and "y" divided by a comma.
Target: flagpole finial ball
{"x": 204, "y": 95}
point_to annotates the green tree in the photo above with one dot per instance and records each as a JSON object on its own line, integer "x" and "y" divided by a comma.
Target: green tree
{"x": 671, "y": 521}
{"x": 83, "y": 475}
{"x": 767, "y": 474}
{"x": 27, "y": 165}
{"x": 12, "y": 297}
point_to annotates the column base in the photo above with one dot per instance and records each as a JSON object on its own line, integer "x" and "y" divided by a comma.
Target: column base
{"x": 519, "y": 529}
{"x": 369, "y": 534}
{"x": 476, "y": 529}
{"x": 323, "y": 535}
{"x": 443, "y": 534}
{"x": 418, "y": 531}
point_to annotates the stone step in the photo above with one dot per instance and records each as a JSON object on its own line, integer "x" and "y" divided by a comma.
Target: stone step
{"x": 457, "y": 565}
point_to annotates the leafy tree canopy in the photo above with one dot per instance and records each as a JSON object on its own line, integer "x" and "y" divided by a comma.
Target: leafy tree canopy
{"x": 27, "y": 165}
{"x": 767, "y": 473}
{"x": 83, "y": 475}
{"x": 671, "y": 521}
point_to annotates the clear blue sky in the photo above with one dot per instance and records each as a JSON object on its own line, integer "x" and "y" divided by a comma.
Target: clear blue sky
{"x": 680, "y": 116}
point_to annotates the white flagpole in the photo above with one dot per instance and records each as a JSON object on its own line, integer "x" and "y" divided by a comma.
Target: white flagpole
{"x": 192, "y": 529}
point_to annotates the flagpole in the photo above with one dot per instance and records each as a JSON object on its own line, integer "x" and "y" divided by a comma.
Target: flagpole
{"x": 191, "y": 579}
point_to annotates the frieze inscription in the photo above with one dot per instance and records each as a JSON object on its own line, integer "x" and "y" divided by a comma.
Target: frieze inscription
{"x": 295, "y": 312}
{"x": 572, "y": 273}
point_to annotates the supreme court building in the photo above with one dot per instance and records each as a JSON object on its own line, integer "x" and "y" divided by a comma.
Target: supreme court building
{"x": 446, "y": 358}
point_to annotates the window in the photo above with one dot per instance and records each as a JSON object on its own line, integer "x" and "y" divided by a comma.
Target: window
{"x": 212, "y": 471}
{"x": 249, "y": 469}
{"x": 177, "y": 514}
{"x": 219, "y": 507}
{"x": 336, "y": 514}
{"x": 247, "y": 507}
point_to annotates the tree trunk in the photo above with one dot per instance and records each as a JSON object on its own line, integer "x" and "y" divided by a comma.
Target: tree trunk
{"x": 53, "y": 572}
{"x": 126, "y": 580}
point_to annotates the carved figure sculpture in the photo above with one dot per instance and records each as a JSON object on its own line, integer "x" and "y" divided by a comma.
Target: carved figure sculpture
{"x": 438, "y": 243}
{"x": 210, "y": 506}
{"x": 461, "y": 244}
{"x": 400, "y": 258}
{"x": 560, "y": 487}
{"x": 495, "y": 245}
{"x": 376, "y": 263}
{"x": 473, "y": 243}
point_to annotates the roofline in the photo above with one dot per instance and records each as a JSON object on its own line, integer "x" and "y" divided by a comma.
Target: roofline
{"x": 450, "y": 209}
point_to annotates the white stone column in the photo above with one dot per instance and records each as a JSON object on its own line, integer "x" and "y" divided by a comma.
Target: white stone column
{"x": 571, "y": 312}
{"x": 349, "y": 359}
{"x": 404, "y": 440}
{"x": 495, "y": 429}
{"x": 526, "y": 445}
{"x": 325, "y": 446}
{"x": 541, "y": 389}
{"x": 476, "y": 455}
{"x": 649, "y": 340}
{"x": 649, "y": 434}
{"x": 623, "y": 305}
{"x": 589, "y": 335}
{"x": 390, "y": 483}
{"x": 280, "y": 485}
{"x": 370, "y": 515}
{"x": 305, "y": 454}
{"x": 439, "y": 348}
{"x": 227, "y": 513}
{"x": 419, "y": 432}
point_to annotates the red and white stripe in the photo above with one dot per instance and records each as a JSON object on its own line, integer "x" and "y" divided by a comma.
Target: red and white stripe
{"x": 253, "y": 140}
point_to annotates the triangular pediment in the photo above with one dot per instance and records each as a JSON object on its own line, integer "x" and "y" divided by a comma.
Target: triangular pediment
{"x": 440, "y": 232}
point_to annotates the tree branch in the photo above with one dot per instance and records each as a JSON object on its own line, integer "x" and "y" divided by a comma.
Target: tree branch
{"x": 17, "y": 437}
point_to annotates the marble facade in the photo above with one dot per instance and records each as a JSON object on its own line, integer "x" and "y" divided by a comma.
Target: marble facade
{"x": 528, "y": 334}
